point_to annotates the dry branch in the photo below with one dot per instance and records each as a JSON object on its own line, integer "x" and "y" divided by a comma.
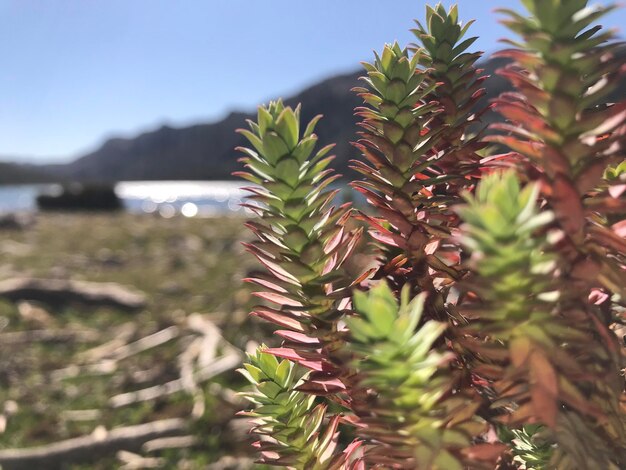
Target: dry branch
{"x": 135, "y": 461}
{"x": 122, "y": 334}
{"x": 61, "y": 292}
{"x": 143, "y": 344}
{"x": 105, "y": 367}
{"x": 224, "y": 363}
{"x": 89, "y": 448}
{"x": 176, "y": 442}
{"x": 31, "y": 336}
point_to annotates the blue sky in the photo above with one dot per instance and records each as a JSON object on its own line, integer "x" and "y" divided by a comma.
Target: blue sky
{"x": 74, "y": 72}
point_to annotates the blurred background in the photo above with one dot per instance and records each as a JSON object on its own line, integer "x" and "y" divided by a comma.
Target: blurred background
{"x": 122, "y": 312}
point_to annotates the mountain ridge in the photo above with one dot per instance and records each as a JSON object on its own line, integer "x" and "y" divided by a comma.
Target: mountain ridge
{"x": 206, "y": 151}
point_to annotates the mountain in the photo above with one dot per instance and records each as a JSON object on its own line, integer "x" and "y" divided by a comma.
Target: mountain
{"x": 18, "y": 173}
{"x": 206, "y": 151}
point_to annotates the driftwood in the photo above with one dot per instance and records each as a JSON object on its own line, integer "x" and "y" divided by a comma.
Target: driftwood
{"x": 60, "y": 292}
{"x": 105, "y": 367}
{"x": 50, "y": 336}
{"x": 91, "y": 447}
{"x": 145, "y": 343}
{"x": 221, "y": 365}
{"x": 122, "y": 335}
{"x": 176, "y": 442}
{"x": 136, "y": 462}
{"x": 81, "y": 415}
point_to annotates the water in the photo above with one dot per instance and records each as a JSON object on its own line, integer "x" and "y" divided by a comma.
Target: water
{"x": 167, "y": 198}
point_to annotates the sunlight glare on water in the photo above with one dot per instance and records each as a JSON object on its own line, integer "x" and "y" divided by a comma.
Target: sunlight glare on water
{"x": 190, "y": 198}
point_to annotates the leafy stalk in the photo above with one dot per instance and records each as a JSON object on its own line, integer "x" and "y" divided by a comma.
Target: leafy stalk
{"x": 303, "y": 242}
{"x": 563, "y": 68}
{"x": 419, "y": 151}
{"x": 415, "y": 417}
{"x": 539, "y": 367}
{"x": 290, "y": 423}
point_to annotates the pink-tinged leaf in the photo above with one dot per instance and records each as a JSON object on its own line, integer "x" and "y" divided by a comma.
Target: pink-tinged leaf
{"x": 363, "y": 168}
{"x": 265, "y": 283}
{"x": 311, "y": 361}
{"x": 609, "y": 238}
{"x": 373, "y": 198}
{"x": 376, "y": 159}
{"x": 431, "y": 247}
{"x": 507, "y": 160}
{"x": 297, "y": 337}
{"x": 598, "y": 297}
{"x": 257, "y": 228}
{"x": 394, "y": 264}
{"x": 366, "y": 275}
{"x": 328, "y": 440}
{"x": 278, "y": 299}
{"x": 270, "y": 455}
{"x": 522, "y": 57}
{"x": 347, "y": 215}
{"x": 344, "y": 304}
{"x": 350, "y": 246}
{"x": 279, "y": 319}
{"x": 620, "y": 228}
{"x": 617, "y": 190}
{"x": 334, "y": 241}
{"x": 322, "y": 387}
{"x": 279, "y": 272}
{"x": 256, "y": 210}
{"x": 259, "y": 191}
{"x": 330, "y": 264}
{"x": 527, "y": 148}
{"x": 382, "y": 238}
{"x": 610, "y": 123}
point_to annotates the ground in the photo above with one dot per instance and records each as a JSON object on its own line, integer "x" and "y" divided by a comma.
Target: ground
{"x": 57, "y": 388}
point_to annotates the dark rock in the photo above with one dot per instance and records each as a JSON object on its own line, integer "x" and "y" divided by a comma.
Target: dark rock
{"x": 80, "y": 197}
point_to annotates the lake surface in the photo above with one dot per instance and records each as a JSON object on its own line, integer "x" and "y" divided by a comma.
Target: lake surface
{"x": 167, "y": 198}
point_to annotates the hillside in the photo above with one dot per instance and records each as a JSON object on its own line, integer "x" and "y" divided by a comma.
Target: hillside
{"x": 206, "y": 151}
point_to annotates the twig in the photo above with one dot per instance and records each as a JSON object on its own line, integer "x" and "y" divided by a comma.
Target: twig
{"x": 101, "y": 368}
{"x": 89, "y": 448}
{"x": 143, "y": 344}
{"x": 134, "y": 461}
{"x": 224, "y": 363}
{"x": 162, "y": 443}
{"x": 30, "y": 336}
{"x": 61, "y": 292}
{"x": 122, "y": 335}
{"x": 188, "y": 381}
{"x": 81, "y": 415}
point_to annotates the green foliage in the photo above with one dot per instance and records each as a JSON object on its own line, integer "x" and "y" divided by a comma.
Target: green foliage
{"x": 515, "y": 336}
{"x": 411, "y": 415}
{"x": 294, "y": 424}
{"x": 530, "y": 445}
{"x": 494, "y": 293}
